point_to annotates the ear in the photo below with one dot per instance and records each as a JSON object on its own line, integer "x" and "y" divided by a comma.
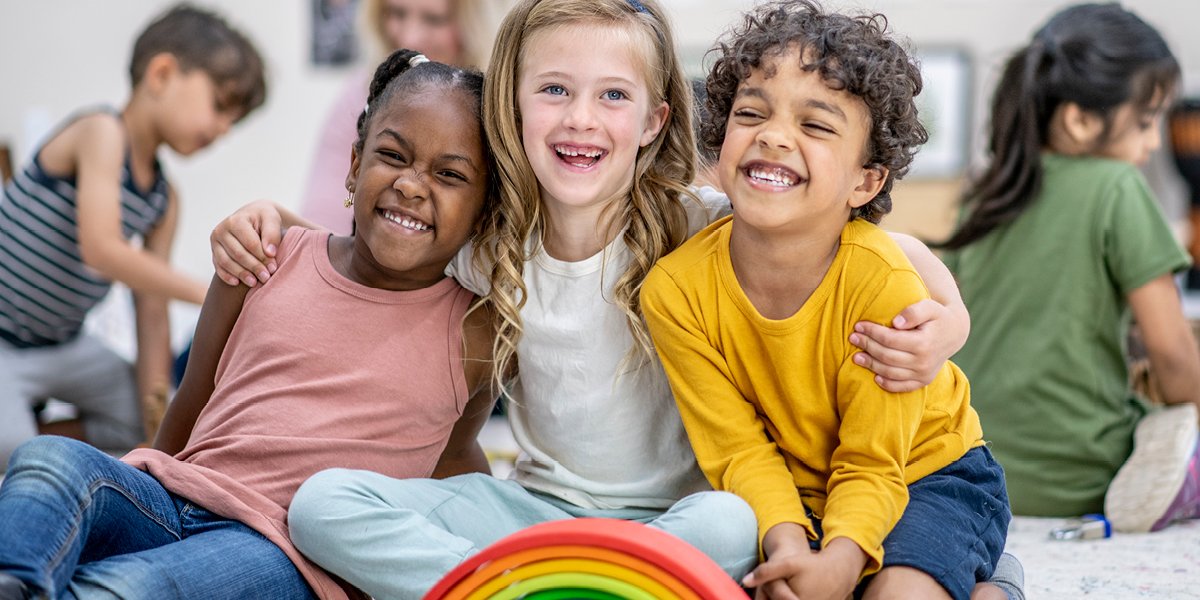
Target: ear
{"x": 654, "y": 123}
{"x": 1082, "y": 127}
{"x": 159, "y": 71}
{"x": 355, "y": 163}
{"x": 873, "y": 177}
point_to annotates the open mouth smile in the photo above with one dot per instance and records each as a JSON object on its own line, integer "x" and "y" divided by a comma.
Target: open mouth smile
{"x": 771, "y": 176}
{"x": 582, "y": 157}
{"x": 405, "y": 221}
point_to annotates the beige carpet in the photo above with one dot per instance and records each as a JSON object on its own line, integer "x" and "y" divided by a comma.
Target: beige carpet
{"x": 1163, "y": 565}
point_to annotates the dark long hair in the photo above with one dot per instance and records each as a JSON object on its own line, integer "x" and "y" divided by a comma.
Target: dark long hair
{"x": 1098, "y": 56}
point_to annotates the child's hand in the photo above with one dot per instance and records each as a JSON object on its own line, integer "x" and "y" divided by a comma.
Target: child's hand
{"x": 244, "y": 244}
{"x": 910, "y": 354}
{"x": 796, "y": 572}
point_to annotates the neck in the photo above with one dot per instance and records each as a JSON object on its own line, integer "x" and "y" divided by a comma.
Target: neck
{"x": 352, "y": 259}
{"x": 574, "y": 233}
{"x": 143, "y": 140}
{"x": 778, "y": 271}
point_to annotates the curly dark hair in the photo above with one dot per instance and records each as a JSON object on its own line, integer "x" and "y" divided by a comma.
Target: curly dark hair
{"x": 852, "y": 53}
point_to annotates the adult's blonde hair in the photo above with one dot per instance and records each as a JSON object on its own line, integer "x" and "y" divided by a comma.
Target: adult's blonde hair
{"x": 653, "y": 214}
{"x": 476, "y": 21}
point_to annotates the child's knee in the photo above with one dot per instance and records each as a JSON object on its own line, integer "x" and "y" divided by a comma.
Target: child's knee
{"x": 721, "y": 525}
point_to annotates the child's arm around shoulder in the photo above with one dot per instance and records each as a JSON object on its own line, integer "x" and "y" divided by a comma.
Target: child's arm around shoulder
{"x": 463, "y": 453}
{"x": 922, "y": 336}
{"x": 220, "y": 312}
{"x": 95, "y": 147}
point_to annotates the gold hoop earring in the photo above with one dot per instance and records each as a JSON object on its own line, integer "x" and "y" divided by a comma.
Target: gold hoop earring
{"x": 349, "y": 200}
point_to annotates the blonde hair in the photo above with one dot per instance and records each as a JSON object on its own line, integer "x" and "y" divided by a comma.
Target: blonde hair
{"x": 476, "y": 21}
{"x": 653, "y": 216}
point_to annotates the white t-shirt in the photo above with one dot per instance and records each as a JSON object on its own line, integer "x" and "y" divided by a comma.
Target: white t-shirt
{"x": 591, "y": 430}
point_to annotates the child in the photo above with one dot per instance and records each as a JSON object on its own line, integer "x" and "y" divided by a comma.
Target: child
{"x": 288, "y": 379}
{"x": 1061, "y": 238}
{"x": 592, "y": 193}
{"x": 67, "y": 219}
{"x": 814, "y": 116}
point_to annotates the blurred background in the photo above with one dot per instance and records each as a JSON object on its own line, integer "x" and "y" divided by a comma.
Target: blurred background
{"x": 56, "y": 57}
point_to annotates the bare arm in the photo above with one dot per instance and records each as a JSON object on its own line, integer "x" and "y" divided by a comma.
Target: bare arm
{"x": 217, "y": 317}
{"x": 244, "y": 243}
{"x": 153, "y": 366}
{"x": 99, "y": 150}
{"x": 463, "y": 453}
{"x": 908, "y": 355}
{"x": 1172, "y": 349}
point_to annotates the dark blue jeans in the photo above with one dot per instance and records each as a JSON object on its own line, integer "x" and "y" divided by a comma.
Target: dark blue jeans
{"x": 77, "y": 523}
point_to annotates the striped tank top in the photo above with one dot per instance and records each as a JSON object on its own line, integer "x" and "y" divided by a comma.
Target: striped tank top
{"x": 46, "y": 290}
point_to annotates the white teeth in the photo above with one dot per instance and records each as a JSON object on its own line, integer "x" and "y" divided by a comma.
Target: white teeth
{"x": 405, "y": 222}
{"x": 780, "y": 177}
{"x": 593, "y": 153}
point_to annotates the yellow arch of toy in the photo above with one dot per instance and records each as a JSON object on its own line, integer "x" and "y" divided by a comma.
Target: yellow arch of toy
{"x": 574, "y": 567}
{"x": 496, "y": 567}
{"x": 555, "y": 581}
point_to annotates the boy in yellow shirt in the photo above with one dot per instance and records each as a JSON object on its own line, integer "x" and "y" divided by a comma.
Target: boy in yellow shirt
{"x": 814, "y": 117}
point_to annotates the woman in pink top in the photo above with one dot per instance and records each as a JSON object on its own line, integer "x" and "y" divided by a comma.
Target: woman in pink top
{"x": 360, "y": 353}
{"x": 455, "y": 32}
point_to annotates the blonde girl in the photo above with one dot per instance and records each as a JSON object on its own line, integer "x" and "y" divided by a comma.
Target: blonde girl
{"x": 593, "y": 151}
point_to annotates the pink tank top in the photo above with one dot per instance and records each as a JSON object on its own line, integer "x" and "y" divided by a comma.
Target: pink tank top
{"x": 320, "y": 372}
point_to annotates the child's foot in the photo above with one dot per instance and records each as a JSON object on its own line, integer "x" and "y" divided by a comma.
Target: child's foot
{"x": 1159, "y": 483}
{"x": 12, "y": 588}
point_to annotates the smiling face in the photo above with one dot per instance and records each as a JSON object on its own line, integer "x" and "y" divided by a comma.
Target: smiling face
{"x": 794, "y": 150}
{"x": 192, "y": 114}
{"x": 427, "y": 26}
{"x": 1137, "y": 132}
{"x": 585, "y": 110}
{"x": 419, "y": 185}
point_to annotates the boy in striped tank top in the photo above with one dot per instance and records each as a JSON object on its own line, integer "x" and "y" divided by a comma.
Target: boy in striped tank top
{"x": 68, "y": 216}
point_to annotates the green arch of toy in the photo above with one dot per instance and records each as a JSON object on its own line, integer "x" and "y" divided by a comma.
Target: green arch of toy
{"x": 660, "y": 549}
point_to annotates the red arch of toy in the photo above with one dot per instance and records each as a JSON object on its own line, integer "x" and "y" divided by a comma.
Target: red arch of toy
{"x": 656, "y": 547}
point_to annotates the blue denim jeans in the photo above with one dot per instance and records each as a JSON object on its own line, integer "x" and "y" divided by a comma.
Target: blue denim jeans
{"x": 77, "y": 523}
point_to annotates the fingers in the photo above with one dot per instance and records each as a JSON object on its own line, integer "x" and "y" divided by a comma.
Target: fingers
{"x": 232, "y": 261}
{"x": 779, "y": 590}
{"x": 918, "y": 314}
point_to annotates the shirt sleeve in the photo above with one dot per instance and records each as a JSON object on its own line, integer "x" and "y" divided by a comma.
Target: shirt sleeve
{"x": 866, "y": 490}
{"x": 729, "y": 439}
{"x": 1138, "y": 243}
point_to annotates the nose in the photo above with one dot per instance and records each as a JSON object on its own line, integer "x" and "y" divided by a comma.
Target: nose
{"x": 411, "y": 184}
{"x": 580, "y": 114}
{"x": 774, "y": 136}
{"x": 413, "y": 35}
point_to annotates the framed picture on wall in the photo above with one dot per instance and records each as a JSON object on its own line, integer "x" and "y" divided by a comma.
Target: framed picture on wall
{"x": 944, "y": 105}
{"x": 333, "y": 37}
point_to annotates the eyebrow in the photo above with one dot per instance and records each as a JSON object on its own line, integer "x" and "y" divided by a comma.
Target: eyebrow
{"x": 392, "y": 133}
{"x": 810, "y": 103}
{"x": 568, "y": 76}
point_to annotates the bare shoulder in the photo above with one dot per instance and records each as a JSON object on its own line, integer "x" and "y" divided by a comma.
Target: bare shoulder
{"x": 99, "y": 134}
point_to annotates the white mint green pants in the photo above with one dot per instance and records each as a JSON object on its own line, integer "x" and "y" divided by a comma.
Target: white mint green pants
{"x": 395, "y": 538}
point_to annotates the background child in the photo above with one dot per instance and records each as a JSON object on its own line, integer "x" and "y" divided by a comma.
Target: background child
{"x": 1061, "y": 238}
{"x": 814, "y": 116}
{"x": 68, "y": 217}
{"x": 592, "y": 193}
{"x": 288, "y": 379}
{"x": 455, "y": 32}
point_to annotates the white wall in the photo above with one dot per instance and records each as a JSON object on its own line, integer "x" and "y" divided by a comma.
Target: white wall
{"x": 57, "y": 55}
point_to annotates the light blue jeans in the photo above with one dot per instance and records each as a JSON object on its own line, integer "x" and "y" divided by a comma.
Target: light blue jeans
{"x": 77, "y": 523}
{"x": 395, "y": 538}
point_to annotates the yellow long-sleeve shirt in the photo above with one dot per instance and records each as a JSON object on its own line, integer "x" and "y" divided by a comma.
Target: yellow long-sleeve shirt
{"x": 777, "y": 411}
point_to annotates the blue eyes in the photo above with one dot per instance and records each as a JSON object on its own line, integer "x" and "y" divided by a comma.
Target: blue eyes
{"x": 610, "y": 95}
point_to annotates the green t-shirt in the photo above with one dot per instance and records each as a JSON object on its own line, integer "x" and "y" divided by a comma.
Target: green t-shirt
{"x": 1049, "y": 318}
